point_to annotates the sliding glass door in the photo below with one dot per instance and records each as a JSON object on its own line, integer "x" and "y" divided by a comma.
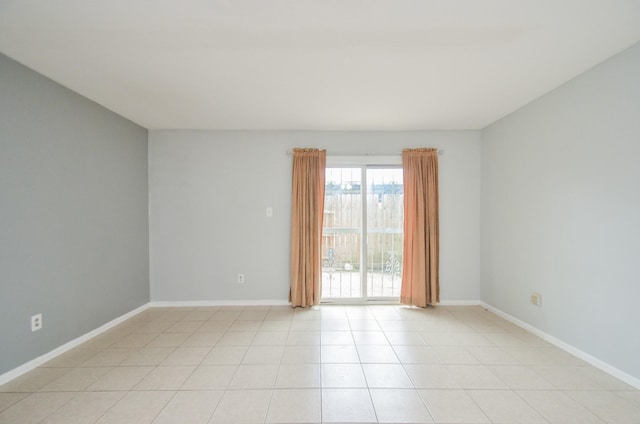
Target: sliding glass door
{"x": 362, "y": 234}
{"x": 342, "y": 234}
{"x": 384, "y": 210}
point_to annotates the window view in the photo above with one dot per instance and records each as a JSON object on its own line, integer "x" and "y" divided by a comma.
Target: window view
{"x": 362, "y": 233}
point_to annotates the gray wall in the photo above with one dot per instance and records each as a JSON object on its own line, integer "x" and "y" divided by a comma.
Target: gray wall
{"x": 561, "y": 212}
{"x": 73, "y": 214}
{"x": 209, "y": 191}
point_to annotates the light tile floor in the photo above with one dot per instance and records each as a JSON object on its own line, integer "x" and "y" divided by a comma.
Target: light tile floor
{"x": 333, "y": 364}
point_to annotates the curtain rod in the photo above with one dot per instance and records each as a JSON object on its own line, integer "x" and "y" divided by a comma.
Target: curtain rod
{"x": 290, "y": 152}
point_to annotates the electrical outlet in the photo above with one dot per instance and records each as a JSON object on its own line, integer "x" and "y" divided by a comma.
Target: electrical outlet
{"x": 240, "y": 278}
{"x": 536, "y": 299}
{"x": 36, "y": 322}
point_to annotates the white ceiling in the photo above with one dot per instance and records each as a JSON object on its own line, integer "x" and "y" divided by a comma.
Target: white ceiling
{"x": 315, "y": 64}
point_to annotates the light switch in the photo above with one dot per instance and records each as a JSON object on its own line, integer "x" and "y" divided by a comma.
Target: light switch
{"x": 269, "y": 211}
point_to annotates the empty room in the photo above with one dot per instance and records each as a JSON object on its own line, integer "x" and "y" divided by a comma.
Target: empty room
{"x": 305, "y": 211}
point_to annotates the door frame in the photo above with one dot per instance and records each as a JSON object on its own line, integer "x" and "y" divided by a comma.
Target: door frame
{"x": 363, "y": 162}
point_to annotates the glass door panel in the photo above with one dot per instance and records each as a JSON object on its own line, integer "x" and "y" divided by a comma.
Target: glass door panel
{"x": 342, "y": 234}
{"x": 385, "y": 212}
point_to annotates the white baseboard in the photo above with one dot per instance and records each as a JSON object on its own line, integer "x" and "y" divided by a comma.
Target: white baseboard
{"x": 34, "y": 363}
{"x": 609, "y": 369}
{"x": 194, "y": 303}
{"x": 281, "y": 302}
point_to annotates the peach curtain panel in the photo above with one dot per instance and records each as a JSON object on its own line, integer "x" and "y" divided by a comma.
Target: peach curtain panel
{"x": 306, "y": 226}
{"x": 420, "y": 285}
